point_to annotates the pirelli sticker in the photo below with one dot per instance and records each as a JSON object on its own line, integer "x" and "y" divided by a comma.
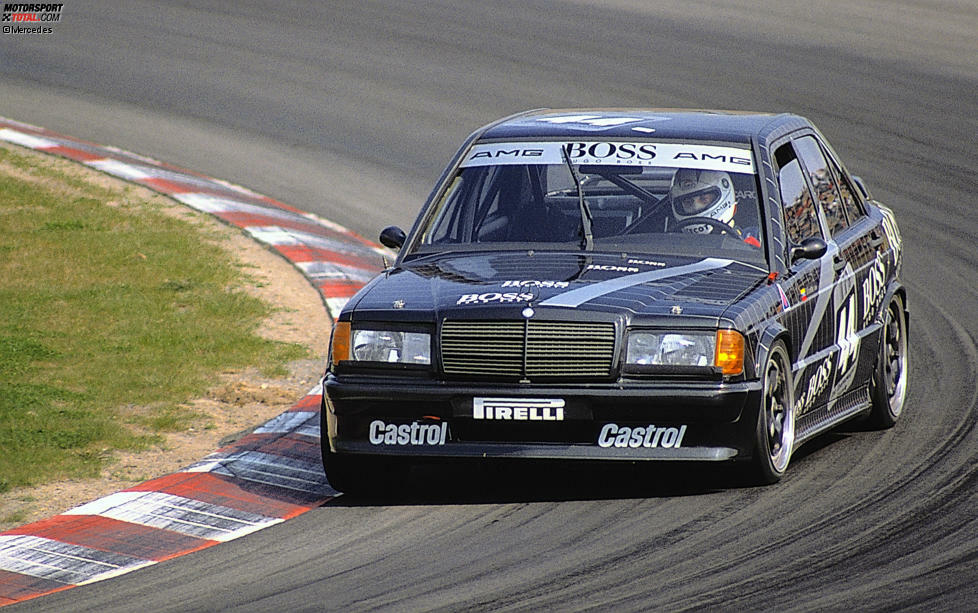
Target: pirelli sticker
{"x": 614, "y": 153}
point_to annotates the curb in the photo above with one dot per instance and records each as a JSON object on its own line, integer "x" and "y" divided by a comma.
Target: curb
{"x": 269, "y": 476}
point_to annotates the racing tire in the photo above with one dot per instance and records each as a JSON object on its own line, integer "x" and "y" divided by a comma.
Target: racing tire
{"x": 774, "y": 438}
{"x": 888, "y": 388}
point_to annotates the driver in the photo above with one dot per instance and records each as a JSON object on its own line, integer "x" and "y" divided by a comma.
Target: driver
{"x": 705, "y": 194}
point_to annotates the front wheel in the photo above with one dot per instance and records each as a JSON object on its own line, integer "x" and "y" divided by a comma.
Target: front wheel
{"x": 774, "y": 438}
{"x": 888, "y": 390}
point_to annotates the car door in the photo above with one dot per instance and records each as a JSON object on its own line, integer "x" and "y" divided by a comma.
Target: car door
{"x": 808, "y": 289}
{"x": 858, "y": 261}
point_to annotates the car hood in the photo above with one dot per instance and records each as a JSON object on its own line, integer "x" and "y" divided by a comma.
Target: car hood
{"x": 467, "y": 285}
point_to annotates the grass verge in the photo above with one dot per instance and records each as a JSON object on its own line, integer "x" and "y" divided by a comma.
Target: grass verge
{"x": 113, "y": 314}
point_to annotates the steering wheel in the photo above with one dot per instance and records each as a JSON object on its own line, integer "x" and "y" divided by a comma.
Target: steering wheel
{"x": 695, "y": 221}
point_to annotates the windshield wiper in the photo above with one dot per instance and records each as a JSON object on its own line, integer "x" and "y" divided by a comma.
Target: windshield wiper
{"x": 586, "y": 220}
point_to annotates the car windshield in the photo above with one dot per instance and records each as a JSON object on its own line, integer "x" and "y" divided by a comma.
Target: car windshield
{"x": 683, "y": 199}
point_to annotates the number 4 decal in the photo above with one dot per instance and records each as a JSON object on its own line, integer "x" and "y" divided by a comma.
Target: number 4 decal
{"x": 846, "y": 337}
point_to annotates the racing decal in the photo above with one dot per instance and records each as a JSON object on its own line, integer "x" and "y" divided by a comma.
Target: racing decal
{"x": 818, "y": 382}
{"x": 611, "y": 268}
{"x": 576, "y": 297}
{"x": 518, "y": 409}
{"x": 846, "y": 331}
{"x": 495, "y": 155}
{"x": 611, "y": 153}
{"x": 532, "y": 283}
{"x": 706, "y": 157}
{"x": 414, "y": 434}
{"x": 874, "y": 288}
{"x": 653, "y": 263}
{"x": 597, "y": 122}
{"x": 613, "y": 435}
{"x": 846, "y": 336}
{"x": 496, "y": 298}
{"x": 614, "y": 153}
{"x": 784, "y": 297}
{"x": 892, "y": 231}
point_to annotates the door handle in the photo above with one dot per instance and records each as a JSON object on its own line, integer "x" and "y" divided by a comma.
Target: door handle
{"x": 875, "y": 239}
{"x": 838, "y": 262}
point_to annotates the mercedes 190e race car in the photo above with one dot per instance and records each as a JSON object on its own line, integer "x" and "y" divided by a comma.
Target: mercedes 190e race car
{"x": 624, "y": 285}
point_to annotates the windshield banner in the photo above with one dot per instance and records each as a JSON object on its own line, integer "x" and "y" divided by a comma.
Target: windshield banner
{"x": 614, "y": 153}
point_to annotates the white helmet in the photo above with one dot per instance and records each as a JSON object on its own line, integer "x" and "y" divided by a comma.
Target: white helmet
{"x": 702, "y": 193}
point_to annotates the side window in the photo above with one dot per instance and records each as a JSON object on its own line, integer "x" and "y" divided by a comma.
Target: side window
{"x": 495, "y": 201}
{"x": 445, "y": 225}
{"x": 800, "y": 218}
{"x": 823, "y": 181}
{"x": 469, "y": 198}
{"x": 853, "y": 209}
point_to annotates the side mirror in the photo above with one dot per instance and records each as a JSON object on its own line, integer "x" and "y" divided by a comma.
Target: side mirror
{"x": 811, "y": 248}
{"x": 392, "y": 237}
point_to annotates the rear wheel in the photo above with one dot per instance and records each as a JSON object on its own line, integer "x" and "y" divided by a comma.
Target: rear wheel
{"x": 888, "y": 390}
{"x": 775, "y": 433}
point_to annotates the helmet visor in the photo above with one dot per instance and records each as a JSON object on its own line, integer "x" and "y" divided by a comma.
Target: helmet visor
{"x": 697, "y": 202}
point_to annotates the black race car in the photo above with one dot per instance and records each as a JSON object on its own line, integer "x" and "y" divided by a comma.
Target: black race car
{"x": 624, "y": 285}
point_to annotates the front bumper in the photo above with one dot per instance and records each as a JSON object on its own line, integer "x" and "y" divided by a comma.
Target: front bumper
{"x": 637, "y": 421}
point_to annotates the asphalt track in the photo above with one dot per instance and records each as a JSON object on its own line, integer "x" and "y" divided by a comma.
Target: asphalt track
{"x": 349, "y": 110}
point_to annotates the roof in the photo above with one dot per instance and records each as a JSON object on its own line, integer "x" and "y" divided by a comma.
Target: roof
{"x": 707, "y": 125}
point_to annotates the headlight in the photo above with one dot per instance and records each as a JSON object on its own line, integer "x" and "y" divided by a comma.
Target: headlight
{"x": 671, "y": 349}
{"x": 394, "y": 346}
{"x": 723, "y": 349}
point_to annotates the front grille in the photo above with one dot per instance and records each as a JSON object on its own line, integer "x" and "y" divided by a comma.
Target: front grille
{"x": 528, "y": 349}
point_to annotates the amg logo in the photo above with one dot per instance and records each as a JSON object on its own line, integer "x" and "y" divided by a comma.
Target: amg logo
{"x": 518, "y": 409}
{"x": 509, "y": 153}
{"x": 731, "y": 159}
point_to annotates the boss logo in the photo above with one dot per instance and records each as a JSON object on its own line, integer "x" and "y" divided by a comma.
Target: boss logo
{"x": 495, "y": 298}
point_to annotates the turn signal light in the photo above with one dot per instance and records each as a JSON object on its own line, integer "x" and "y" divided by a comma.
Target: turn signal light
{"x": 340, "y": 350}
{"x": 730, "y": 352}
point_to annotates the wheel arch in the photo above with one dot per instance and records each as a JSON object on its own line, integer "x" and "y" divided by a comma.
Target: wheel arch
{"x": 896, "y": 288}
{"x": 772, "y": 334}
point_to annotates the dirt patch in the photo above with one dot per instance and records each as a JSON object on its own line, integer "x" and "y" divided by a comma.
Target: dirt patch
{"x": 239, "y": 400}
